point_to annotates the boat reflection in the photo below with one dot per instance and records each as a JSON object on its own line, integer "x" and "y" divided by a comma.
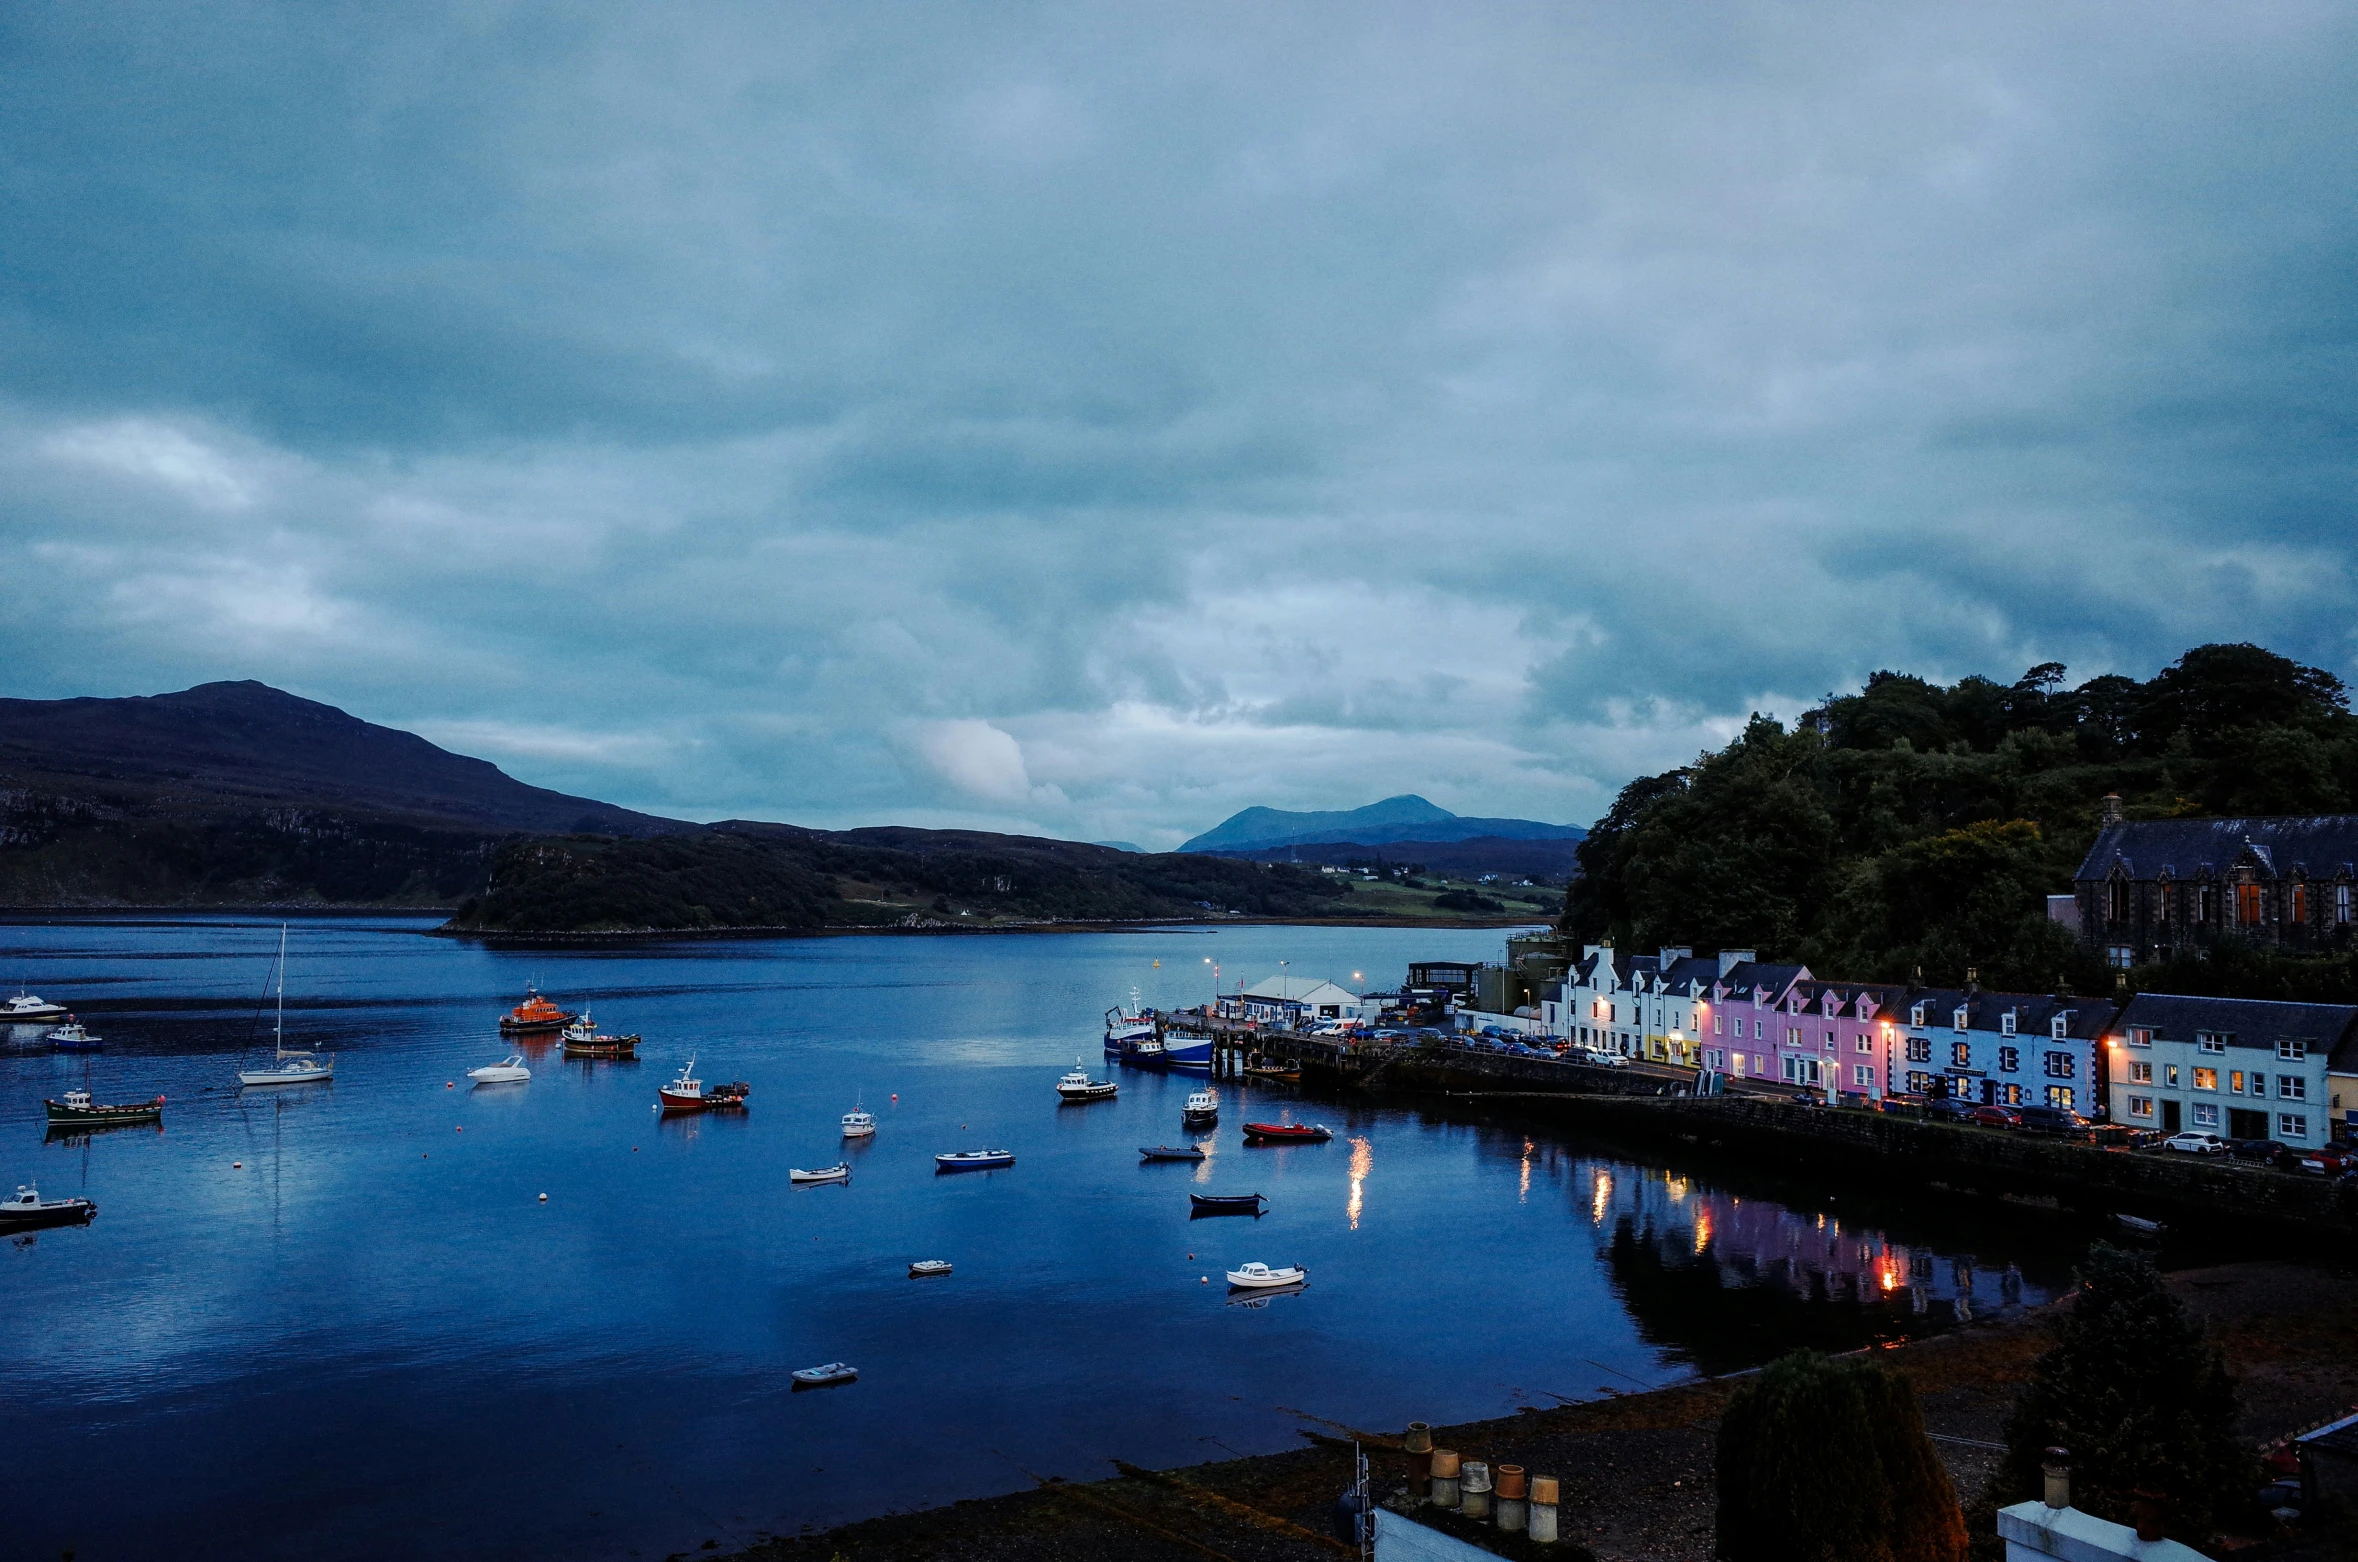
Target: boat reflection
{"x": 82, "y": 1133}
{"x": 1362, "y": 1162}
{"x": 1265, "y": 1296}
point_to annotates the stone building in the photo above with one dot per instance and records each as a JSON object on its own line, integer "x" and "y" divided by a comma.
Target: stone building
{"x": 2151, "y": 886}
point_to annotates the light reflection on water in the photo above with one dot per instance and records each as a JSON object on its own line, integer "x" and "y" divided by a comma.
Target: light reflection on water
{"x": 320, "y": 1315}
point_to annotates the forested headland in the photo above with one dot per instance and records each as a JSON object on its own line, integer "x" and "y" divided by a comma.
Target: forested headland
{"x": 1918, "y": 827}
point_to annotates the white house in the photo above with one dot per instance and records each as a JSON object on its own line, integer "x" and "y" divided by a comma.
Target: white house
{"x": 2242, "y": 1068}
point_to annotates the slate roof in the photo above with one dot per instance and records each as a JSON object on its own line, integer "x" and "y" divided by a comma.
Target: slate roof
{"x": 2033, "y": 1012}
{"x": 2253, "y": 1022}
{"x": 1742, "y": 979}
{"x": 2321, "y": 845}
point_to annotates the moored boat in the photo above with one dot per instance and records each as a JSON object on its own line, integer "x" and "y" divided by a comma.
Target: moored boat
{"x": 1224, "y": 1204}
{"x": 1170, "y": 1152}
{"x": 1278, "y": 1076}
{"x": 289, "y": 1065}
{"x": 839, "y": 1172}
{"x": 1078, "y": 1086}
{"x": 77, "y": 1110}
{"x": 973, "y": 1160}
{"x": 820, "y": 1377}
{"x": 581, "y": 1040}
{"x": 29, "y": 1209}
{"x": 71, "y": 1037}
{"x": 687, "y": 1093}
{"x": 24, "y": 1009}
{"x": 926, "y": 1268}
{"x": 859, "y": 1123}
{"x": 1202, "y": 1110}
{"x": 1287, "y": 1133}
{"x": 1254, "y": 1277}
{"x": 535, "y": 1013}
{"x": 510, "y": 1070}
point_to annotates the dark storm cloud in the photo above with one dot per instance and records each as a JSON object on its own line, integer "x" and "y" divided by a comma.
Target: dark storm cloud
{"x": 1096, "y": 419}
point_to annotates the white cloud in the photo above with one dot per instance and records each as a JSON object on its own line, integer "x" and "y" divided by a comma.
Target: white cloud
{"x": 979, "y": 760}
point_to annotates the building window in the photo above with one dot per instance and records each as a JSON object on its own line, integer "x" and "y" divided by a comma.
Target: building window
{"x": 1957, "y": 1020}
{"x": 2292, "y": 1051}
{"x": 2120, "y": 957}
{"x": 2292, "y": 1087}
{"x": 1919, "y": 1084}
{"x": 2259, "y": 1084}
{"x": 2116, "y": 901}
{"x": 2291, "y": 1125}
{"x": 2061, "y": 1095}
{"x": 1759, "y": 1032}
{"x": 2170, "y": 1075}
{"x": 1916, "y": 1016}
{"x": 2058, "y": 1025}
{"x": 1714, "y": 1058}
{"x": 2213, "y": 1042}
{"x": 2139, "y": 1036}
{"x": 2300, "y": 902}
{"x": 2140, "y": 1073}
{"x": 2341, "y": 905}
{"x": 2206, "y": 1114}
{"x": 1862, "y": 1042}
{"x": 2061, "y": 1066}
{"x": 1863, "y": 1075}
{"x": 2006, "y": 1023}
{"x": 1792, "y": 1035}
{"x": 2009, "y": 1095}
{"x": 2206, "y": 1079}
{"x": 1919, "y": 1049}
{"x": 1961, "y": 1054}
{"x": 2247, "y": 904}
{"x": 2140, "y": 1106}
{"x": 2009, "y": 1059}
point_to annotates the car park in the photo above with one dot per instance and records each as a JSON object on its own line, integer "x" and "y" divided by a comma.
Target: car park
{"x": 2196, "y": 1144}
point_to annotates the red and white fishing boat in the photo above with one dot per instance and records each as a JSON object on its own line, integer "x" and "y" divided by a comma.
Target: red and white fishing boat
{"x": 1288, "y": 1132}
{"x": 690, "y": 1094}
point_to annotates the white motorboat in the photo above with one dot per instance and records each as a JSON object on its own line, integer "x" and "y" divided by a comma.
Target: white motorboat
{"x": 290, "y": 1065}
{"x": 24, "y": 1009}
{"x": 1078, "y": 1086}
{"x": 819, "y": 1377}
{"x": 925, "y": 1267}
{"x": 839, "y": 1172}
{"x": 508, "y": 1071}
{"x": 1257, "y": 1277}
{"x": 28, "y": 1208}
{"x": 1202, "y": 1109}
{"x": 72, "y": 1037}
{"x": 859, "y": 1123}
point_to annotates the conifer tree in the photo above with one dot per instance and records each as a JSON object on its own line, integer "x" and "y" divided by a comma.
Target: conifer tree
{"x": 2133, "y": 1392}
{"x": 1824, "y": 1461}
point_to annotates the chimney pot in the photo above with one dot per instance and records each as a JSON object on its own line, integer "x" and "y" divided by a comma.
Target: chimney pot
{"x": 2057, "y": 1468}
{"x": 2111, "y": 808}
{"x": 2146, "y": 1508}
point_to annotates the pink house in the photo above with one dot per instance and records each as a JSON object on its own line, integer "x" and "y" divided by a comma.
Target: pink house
{"x": 1836, "y": 1037}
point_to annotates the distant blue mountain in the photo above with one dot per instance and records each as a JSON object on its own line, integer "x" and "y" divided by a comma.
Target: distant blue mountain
{"x": 1404, "y": 818}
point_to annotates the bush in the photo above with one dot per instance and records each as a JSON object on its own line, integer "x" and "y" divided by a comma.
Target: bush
{"x": 1823, "y": 1461}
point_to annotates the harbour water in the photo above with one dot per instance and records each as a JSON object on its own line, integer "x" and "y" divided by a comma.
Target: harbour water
{"x": 338, "y": 1321}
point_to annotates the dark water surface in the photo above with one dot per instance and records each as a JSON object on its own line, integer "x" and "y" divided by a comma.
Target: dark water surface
{"x": 374, "y": 1340}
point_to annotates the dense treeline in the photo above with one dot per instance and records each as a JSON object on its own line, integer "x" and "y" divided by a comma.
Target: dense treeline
{"x": 777, "y": 876}
{"x": 1915, "y": 826}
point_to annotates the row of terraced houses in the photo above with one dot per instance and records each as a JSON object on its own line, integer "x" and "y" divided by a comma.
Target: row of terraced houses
{"x": 2241, "y": 1068}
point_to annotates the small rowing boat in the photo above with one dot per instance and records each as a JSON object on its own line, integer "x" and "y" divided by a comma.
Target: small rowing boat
{"x": 973, "y": 1160}
{"x": 1170, "y": 1152}
{"x": 1281, "y": 1076}
{"x": 839, "y": 1172}
{"x": 820, "y": 1377}
{"x": 1287, "y": 1133}
{"x": 1223, "y": 1204}
{"x": 926, "y": 1268}
{"x": 1255, "y": 1277}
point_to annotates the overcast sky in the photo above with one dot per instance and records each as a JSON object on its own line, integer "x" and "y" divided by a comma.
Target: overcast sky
{"x": 1092, "y": 420}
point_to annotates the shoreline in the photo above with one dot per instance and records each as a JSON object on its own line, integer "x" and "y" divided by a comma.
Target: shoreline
{"x": 1636, "y": 1468}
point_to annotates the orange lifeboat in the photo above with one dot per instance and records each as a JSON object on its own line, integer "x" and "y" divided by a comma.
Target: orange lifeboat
{"x": 535, "y": 1013}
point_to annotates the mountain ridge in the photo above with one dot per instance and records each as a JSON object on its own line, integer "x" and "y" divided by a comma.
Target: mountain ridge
{"x": 1406, "y": 817}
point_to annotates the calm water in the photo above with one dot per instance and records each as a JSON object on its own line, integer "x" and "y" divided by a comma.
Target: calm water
{"x": 374, "y": 1340}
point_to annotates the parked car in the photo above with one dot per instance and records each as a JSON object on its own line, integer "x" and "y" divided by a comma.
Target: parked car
{"x": 1948, "y": 1109}
{"x": 2196, "y": 1143}
{"x": 2053, "y": 1120}
{"x": 1997, "y": 1116}
{"x": 2267, "y": 1150}
{"x": 1597, "y": 1058}
{"x": 2332, "y": 1159}
{"x": 1808, "y": 1098}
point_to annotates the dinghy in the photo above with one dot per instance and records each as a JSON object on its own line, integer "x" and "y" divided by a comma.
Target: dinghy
{"x": 839, "y": 1172}
{"x": 820, "y": 1377}
{"x": 973, "y": 1160}
{"x": 510, "y": 1070}
{"x": 1288, "y": 1133}
{"x": 1260, "y": 1277}
{"x": 926, "y": 1267}
{"x": 1223, "y": 1204}
{"x": 1166, "y": 1152}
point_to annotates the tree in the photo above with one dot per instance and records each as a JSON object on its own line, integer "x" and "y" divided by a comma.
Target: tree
{"x": 2139, "y": 1399}
{"x": 1823, "y": 1461}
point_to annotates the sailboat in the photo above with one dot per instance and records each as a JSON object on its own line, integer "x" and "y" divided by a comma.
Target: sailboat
{"x": 290, "y": 1067}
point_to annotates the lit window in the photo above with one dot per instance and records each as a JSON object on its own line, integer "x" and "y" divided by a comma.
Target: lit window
{"x": 2063, "y": 1096}
{"x": 1961, "y": 1054}
{"x": 2247, "y": 904}
{"x": 2120, "y": 956}
{"x": 1957, "y": 1020}
{"x": 2140, "y": 1073}
{"x": 2291, "y": 1125}
{"x": 2140, "y": 1106}
{"x": 2139, "y": 1036}
{"x": 2170, "y": 1075}
{"x": 2300, "y": 906}
{"x": 2206, "y": 1079}
{"x": 1916, "y": 1015}
{"x": 1919, "y": 1084}
{"x": 2061, "y": 1066}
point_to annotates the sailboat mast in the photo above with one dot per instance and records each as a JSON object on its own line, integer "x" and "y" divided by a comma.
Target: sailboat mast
{"x": 279, "y": 1028}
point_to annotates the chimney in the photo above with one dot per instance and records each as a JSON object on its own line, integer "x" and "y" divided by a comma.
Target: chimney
{"x": 1672, "y": 954}
{"x": 2057, "y": 1468}
{"x": 2109, "y": 812}
{"x": 2146, "y": 1508}
{"x": 1729, "y": 959}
